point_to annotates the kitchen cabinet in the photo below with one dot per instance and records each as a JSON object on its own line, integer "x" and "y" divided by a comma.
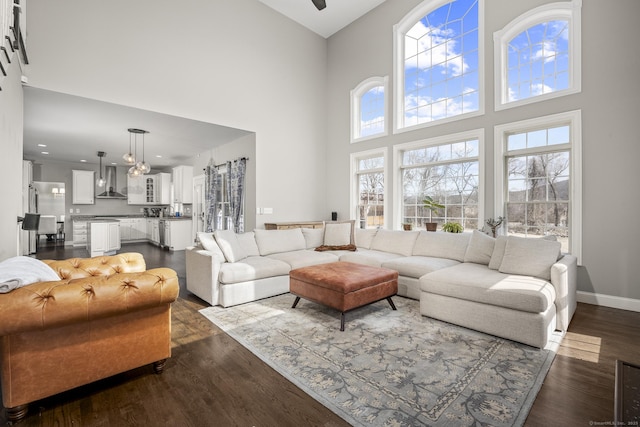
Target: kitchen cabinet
{"x": 136, "y": 190}
{"x": 133, "y": 229}
{"x": 83, "y": 187}
{"x": 163, "y": 189}
{"x": 183, "y": 184}
{"x": 79, "y": 232}
{"x": 103, "y": 237}
{"x": 176, "y": 234}
{"x": 153, "y": 230}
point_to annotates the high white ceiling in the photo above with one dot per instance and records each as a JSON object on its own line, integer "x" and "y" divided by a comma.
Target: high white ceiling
{"x": 337, "y": 15}
{"x": 75, "y": 129}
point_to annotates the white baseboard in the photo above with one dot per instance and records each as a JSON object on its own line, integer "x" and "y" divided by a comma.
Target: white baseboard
{"x": 609, "y": 301}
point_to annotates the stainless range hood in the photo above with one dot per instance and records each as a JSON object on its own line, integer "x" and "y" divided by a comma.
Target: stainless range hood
{"x": 110, "y": 186}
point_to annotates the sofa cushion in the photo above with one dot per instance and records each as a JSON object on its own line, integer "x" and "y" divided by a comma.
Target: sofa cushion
{"x": 208, "y": 243}
{"x": 498, "y": 252}
{"x": 394, "y": 241}
{"x": 480, "y": 248}
{"x": 228, "y": 242}
{"x": 252, "y": 268}
{"x": 248, "y": 242}
{"x": 368, "y": 257}
{"x": 276, "y": 241}
{"x": 304, "y": 258}
{"x": 476, "y": 282}
{"x": 442, "y": 245}
{"x": 530, "y": 257}
{"x": 364, "y": 237}
{"x": 313, "y": 237}
{"x": 500, "y": 245}
{"x": 417, "y": 266}
{"x": 339, "y": 233}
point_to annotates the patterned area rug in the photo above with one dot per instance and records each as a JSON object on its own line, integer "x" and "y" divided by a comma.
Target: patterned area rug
{"x": 391, "y": 368}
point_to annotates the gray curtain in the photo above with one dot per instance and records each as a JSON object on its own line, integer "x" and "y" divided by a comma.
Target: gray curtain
{"x": 236, "y": 172}
{"x": 212, "y": 190}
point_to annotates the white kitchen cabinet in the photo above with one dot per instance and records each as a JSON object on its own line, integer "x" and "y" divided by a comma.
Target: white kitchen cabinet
{"x": 79, "y": 232}
{"x": 153, "y": 230}
{"x": 136, "y": 190}
{"x": 183, "y": 184}
{"x": 133, "y": 229}
{"x": 83, "y": 187}
{"x": 177, "y": 234}
{"x": 103, "y": 238}
{"x": 163, "y": 189}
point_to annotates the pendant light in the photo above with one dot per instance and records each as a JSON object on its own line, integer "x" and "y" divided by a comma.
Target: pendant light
{"x": 143, "y": 166}
{"x": 128, "y": 157}
{"x": 101, "y": 181}
{"x": 133, "y": 170}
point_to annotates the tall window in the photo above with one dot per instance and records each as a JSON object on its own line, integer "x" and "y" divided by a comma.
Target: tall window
{"x": 538, "y": 55}
{"x": 368, "y": 183}
{"x": 438, "y": 62}
{"x": 369, "y": 109}
{"x": 540, "y": 178}
{"x": 449, "y": 171}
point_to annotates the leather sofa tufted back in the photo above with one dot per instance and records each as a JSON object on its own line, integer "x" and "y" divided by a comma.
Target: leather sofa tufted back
{"x": 77, "y": 268}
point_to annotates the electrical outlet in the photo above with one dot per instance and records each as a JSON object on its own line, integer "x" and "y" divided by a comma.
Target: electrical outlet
{"x": 70, "y": 210}
{"x": 268, "y": 210}
{"x": 77, "y": 210}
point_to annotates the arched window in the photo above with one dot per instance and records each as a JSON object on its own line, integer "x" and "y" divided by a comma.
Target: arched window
{"x": 369, "y": 109}
{"x": 538, "y": 55}
{"x": 438, "y": 63}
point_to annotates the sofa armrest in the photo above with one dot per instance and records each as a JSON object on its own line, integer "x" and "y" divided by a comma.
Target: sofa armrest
{"x": 203, "y": 270}
{"x": 564, "y": 280}
{"x": 45, "y": 305}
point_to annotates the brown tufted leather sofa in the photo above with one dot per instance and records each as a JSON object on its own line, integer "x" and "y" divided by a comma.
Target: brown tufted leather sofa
{"x": 104, "y": 316}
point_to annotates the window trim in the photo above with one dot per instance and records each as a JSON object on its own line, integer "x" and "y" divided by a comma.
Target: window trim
{"x": 399, "y": 30}
{"x": 439, "y": 140}
{"x": 574, "y": 120}
{"x": 569, "y": 10}
{"x": 356, "y": 99}
{"x": 353, "y": 188}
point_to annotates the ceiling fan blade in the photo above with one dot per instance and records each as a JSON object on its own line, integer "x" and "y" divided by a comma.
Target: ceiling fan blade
{"x": 320, "y": 4}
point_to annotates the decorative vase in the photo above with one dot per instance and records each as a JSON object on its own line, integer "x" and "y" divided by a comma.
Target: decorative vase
{"x": 431, "y": 226}
{"x": 407, "y": 227}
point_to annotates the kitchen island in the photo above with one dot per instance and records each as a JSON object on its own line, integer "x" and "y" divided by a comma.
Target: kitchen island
{"x": 103, "y": 236}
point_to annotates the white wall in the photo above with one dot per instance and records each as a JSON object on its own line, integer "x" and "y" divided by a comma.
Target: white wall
{"x": 235, "y": 63}
{"x": 10, "y": 159}
{"x": 611, "y": 147}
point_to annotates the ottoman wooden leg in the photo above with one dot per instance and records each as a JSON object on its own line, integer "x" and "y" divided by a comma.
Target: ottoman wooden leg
{"x": 17, "y": 413}
{"x": 342, "y": 321}
{"x": 295, "y": 302}
{"x": 393, "y": 306}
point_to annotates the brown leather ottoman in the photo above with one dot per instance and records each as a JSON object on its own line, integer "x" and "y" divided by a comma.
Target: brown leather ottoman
{"x": 343, "y": 285}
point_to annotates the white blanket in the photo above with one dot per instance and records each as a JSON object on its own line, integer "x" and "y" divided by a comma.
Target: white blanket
{"x": 23, "y": 270}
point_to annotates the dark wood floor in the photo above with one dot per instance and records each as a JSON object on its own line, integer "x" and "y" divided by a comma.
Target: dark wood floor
{"x": 211, "y": 380}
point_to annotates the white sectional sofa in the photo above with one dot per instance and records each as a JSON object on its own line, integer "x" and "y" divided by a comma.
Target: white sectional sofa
{"x": 515, "y": 288}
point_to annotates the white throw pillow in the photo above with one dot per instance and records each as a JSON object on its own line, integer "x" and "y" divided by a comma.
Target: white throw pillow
{"x": 313, "y": 237}
{"x": 498, "y": 252}
{"x": 339, "y": 233}
{"x": 480, "y": 248}
{"x": 442, "y": 245}
{"x": 394, "y": 241}
{"x": 529, "y": 257}
{"x": 277, "y": 241}
{"x": 228, "y": 242}
{"x": 248, "y": 242}
{"x": 364, "y": 237}
{"x": 208, "y": 243}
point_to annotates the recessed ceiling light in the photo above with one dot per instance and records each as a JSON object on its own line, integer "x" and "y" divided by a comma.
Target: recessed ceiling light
{"x": 83, "y": 161}
{"x": 114, "y": 163}
{"x": 42, "y": 145}
{"x": 158, "y": 156}
{"x": 44, "y": 152}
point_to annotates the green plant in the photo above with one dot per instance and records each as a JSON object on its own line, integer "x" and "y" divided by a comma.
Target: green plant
{"x": 432, "y": 205}
{"x": 452, "y": 227}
